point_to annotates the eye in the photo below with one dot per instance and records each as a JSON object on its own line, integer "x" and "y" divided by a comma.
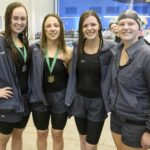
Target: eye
{"x": 56, "y": 25}
{"x": 85, "y": 25}
{"x": 47, "y": 26}
{"x": 93, "y": 24}
{"x": 131, "y": 23}
{"x": 15, "y": 18}
{"x": 121, "y": 24}
{"x": 23, "y": 18}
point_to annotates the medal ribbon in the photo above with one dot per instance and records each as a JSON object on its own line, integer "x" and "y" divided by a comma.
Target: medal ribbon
{"x": 51, "y": 66}
{"x": 24, "y": 53}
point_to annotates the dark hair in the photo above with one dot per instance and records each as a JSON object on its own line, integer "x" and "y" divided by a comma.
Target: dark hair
{"x": 85, "y": 15}
{"x": 112, "y": 24}
{"x": 23, "y": 36}
{"x": 61, "y": 40}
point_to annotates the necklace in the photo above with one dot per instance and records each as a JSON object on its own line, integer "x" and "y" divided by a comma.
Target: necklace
{"x": 24, "y": 55}
{"x": 51, "y": 77}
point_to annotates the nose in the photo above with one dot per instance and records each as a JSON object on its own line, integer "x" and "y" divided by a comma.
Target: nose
{"x": 89, "y": 27}
{"x": 19, "y": 21}
{"x": 52, "y": 28}
{"x": 126, "y": 26}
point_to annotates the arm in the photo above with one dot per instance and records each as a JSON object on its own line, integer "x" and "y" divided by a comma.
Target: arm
{"x": 5, "y": 89}
{"x": 69, "y": 56}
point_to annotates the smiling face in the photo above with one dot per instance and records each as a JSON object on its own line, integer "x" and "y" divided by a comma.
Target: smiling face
{"x": 90, "y": 27}
{"x": 52, "y": 28}
{"x": 128, "y": 30}
{"x": 18, "y": 20}
{"x": 113, "y": 28}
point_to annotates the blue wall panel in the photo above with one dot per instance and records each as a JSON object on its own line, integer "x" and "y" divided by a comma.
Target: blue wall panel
{"x": 106, "y": 9}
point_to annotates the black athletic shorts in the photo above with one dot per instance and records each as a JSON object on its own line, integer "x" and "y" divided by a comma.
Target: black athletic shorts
{"x": 7, "y": 127}
{"x": 131, "y": 131}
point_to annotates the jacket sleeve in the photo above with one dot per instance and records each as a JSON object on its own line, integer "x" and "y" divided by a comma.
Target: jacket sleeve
{"x": 147, "y": 79}
{"x": 3, "y": 64}
{"x": 71, "y": 85}
{"x": 36, "y": 91}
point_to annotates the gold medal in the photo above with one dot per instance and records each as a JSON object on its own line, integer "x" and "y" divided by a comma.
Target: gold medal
{"x": 51, "y": 79}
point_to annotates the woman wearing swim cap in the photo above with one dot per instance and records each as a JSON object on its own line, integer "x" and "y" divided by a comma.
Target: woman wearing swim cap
{"x": 130, "y": 90}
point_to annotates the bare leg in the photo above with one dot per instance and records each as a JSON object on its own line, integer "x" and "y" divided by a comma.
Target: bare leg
{"x": 117, "y": 140}
{"x": 42, "y": 139}
{"x": 58, "y": 142}
{"x": 16, "y": 142}
{"x": 3, "y": 141}
{"x": 82, "y": 142}
{"x": 91, "y": 146}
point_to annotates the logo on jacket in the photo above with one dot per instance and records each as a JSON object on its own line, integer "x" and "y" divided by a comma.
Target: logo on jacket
{"x": 82, "y": 61}
{"x": 2, "y": 116}
{"x": 2, "y": 53}
{"x": 35, "y": 49}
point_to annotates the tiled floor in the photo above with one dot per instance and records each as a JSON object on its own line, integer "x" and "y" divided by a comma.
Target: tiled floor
{"x": 70, "y": 137}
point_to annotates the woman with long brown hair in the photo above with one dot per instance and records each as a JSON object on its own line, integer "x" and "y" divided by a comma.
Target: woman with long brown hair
{"x": 14, "y": 66}
{"x": 50, "y": 75}
{"x": 87, "y": 89}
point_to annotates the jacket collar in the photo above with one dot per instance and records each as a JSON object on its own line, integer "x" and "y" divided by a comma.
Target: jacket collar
{"x": 133, "y": 48}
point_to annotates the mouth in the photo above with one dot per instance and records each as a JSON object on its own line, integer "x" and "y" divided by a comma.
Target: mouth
{"x": 19, "y": 28}
{"x": 90, "y": 33}
{"x": 53, "y": 34}
{"x": 126, "y": 33}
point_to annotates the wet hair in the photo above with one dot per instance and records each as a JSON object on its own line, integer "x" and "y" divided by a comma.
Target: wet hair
{"x": 61, "y": 39}
{"x": 132, "y": 15}
{"x": 23, "y": 36}
{"x": 85, "y": 15}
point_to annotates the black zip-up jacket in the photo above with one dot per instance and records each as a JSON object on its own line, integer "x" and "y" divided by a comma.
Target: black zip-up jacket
{"x": 130, "y": 91}
{"x": 8, "y": 78}
{"x": 106, "y": 59}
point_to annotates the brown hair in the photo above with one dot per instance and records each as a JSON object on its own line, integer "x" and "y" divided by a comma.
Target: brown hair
{"x": 85, "y": 15}
{"x": 112, "y": 24}
{"x": 23, "y": 36}
{"x": 61, "y": 40}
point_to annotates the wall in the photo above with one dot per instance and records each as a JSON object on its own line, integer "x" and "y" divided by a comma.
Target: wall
{"x": 37, "y": 9}
{"x": 40, "y": 8}
{"x": 70, "y": 10}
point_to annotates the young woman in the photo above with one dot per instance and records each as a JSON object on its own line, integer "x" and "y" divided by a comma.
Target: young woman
{"x": 50, "y": 76}
{"x": 84, "y": 96}
{"x": 14, "y": 66}
{"x": 130, "y": 91}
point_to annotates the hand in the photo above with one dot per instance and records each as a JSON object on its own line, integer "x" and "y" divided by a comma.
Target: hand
{"x": 6, "y": 92}
{"x": 145, "y": 141}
